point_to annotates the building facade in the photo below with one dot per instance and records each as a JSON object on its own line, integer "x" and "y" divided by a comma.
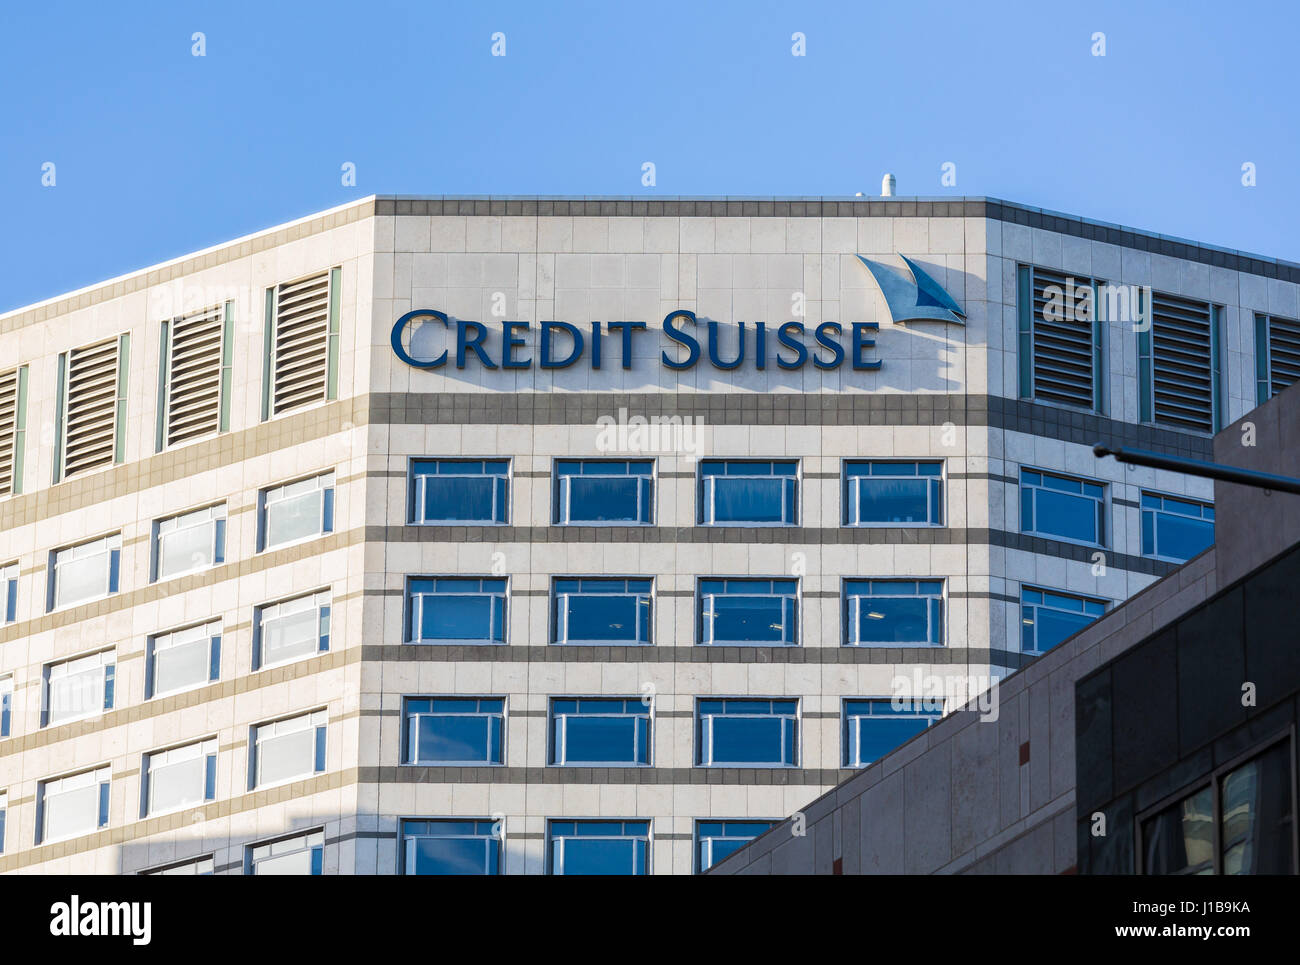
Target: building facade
{"x": 479, "y": 535}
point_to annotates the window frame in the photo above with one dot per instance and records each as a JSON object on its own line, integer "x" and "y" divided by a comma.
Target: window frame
{"x": 410, "y": 720}
{"x": 851, "y": 504}
{"x": 704, "y": 631}
{"x": 851, "y": 737}
{"x": 172, "y": 866}
{"x": 559, "y": 618}
{"x": 411, "y": 620}
{"x": 646, "y": 855}
{"x": 112, "y": 575}
{"x": 1213, "y": 781}
{"x": 1044, "y": 591}
{"x": 557, "y": 745}
{"x": 317, "y": 721}
{"x": 416, "y": 491}
{"x": 313, "y": 844}
{"x": 405, "y": 839}
{"x": 208, "y": 749}
{"x": 323, "y": 601}
{"x": 107, "y": 670}
{"x": 6, "y": 704}
{"x": 101, "y": 775}
{"x": 328, "y": 508}
{"x": 699, "y": 839}
{"x": 217, "y": 545}
{"x": 706, "y": 500}
{"x": 706, "y": 760}
{"x": 151, "y": 652}
{"x": 1143, "y": 494}
{"x": 1102, "y": 505}
{"x": 9, "y": 574}
{"x": 851, "y": 622}
{"x": 562, "y": 496}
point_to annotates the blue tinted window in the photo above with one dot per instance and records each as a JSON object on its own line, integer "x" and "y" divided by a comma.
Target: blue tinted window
{"x": 1048, "y": 617}
{"x": 715, "y": 840}
{"x": 459, "y": 491}
{"x": 591, "y": 731}
{"x": 598, "y": 847}
{"x": 598, "y": 610}
{"x": 451, "y": 847}
{"x": 743, "y": 732}
{"x": 455, "y": 730}
{"x": 745, "y": 611}
{"x": 893, "y": 612}
{"x": 893, "y": 494}
{"x": 6, "y": 704}
{"x": 456, "y": 610}
{"x": 873, "y": 728}
{"x": 1062, "y": 507}
{"x": 1175, "y": 529}
{"x": 740, "y": 492}
{"x": 600, "y": 491}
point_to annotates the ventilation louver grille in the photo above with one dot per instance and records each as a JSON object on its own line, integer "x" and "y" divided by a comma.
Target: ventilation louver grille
{"x": 1283, "y": 353}
{"x": 1063, "y": 339}
{"x": 91, "y": 407}
{"x": 8, "y": 428}
{"x": 1182, "y": 360}
{"x": 194, "y": 376}
{"x": 301, "y": 347}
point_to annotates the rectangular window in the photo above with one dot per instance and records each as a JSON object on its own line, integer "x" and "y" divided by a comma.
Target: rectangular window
{"x": 296, "y": 511}
{"x": 455, "y": 610}
{"x": 598, "y": 610}
{"x": 86, "y": 572}
{"x": 13, "y": 429}
{"x": 90, "y": 423}
{"x": 874, "y": 726}
{"x": 596, "y": 492}
{"x": 291, "y": 629}
{"x": 451, "y": 846}
{"x": 459, "y": 491}
{"x": 880, "y": 493}
{"x": 740, "y": 612}
{"x": 179, "y": 778}
{"x": 1249, "y": 805}
{"x": 746, "y": 732}
{"x": 733, "y": 493}
{"x": 1174, "y": 528}
{"x": 1060, "y": 338}
{"x": 71, "y": 806}
{"x": 195, "y": 866}
{"x": 193, "y": 390}
{"x": 4, "y": 806}
{"x": 6, "y": 705}
{"x": 1277, "y": 355}
{"x": 189, "y": 542}
{"x": 893, "y": 613}
{"x": 715, "y": 840}
{"x": 288, "y": 750}
{"x": 1179, "y": 364}
{"x": 300, "y": 366}
{"x": 1047, "y": 617}
{"x": 80, "y": 688}
{"x": 183, "y": 659}
{"x": 598, "y": 847}
{"x": 599, "y": 732}
{"x": 455, "y": 730}
{"x": 302, "y": 854}
{"x": 1062, "y": 507}
{"x": 8, "y": 593}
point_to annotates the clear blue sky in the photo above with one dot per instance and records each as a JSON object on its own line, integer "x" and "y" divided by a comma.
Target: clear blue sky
{"x": 158, "y": 152}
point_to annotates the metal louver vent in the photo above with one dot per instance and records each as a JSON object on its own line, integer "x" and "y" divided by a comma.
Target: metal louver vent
{"x": 301, "y": 346}
{"x": 194, "y": 376}
{"x": 8, "y": 428}
{"x": 1182, "y": 362}
{"x": 91, "y": 407}
{"x": 1283, "y": 353}
{"x": 1063, "y": 338}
